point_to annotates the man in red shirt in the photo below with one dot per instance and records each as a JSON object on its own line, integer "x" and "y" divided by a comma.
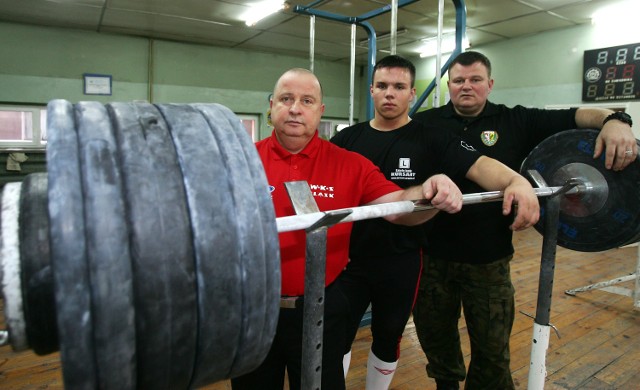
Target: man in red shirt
{"x": 339, "y": 179}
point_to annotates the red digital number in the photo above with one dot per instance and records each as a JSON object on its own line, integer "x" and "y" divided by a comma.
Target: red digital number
{"x": 627, "y": 71}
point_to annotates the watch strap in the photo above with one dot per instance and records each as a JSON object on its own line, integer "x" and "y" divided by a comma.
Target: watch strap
{"x": 619, "y": 115}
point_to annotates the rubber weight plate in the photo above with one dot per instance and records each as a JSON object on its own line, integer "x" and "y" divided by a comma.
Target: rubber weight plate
{"x": 10, "y": 260}
{"x": 108, "y": 257}
{"x": 161, "y": 250}
{"x": 215, "y": 241}
{"x": 607, "y": 214}
{"x": 35, "y": 266}
{"x": 68, "y": 249}
{"x": 266, "y": 221}
{"x": 250, "y": 245}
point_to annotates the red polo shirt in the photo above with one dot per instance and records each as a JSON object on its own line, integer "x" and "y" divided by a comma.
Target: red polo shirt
{"x": 338, "y": 179}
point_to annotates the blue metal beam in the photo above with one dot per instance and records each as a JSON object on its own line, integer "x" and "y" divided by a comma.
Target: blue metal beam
{"x": 361, "y": 20}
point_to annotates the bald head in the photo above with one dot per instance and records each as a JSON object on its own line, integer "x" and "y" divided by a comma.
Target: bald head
{"x": 297, "y": 72}
{"x": 296, "y": 108}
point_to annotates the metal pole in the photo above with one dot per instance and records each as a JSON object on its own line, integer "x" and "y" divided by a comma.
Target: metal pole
{"x": 371, "y": 62}
{"x": 312, "y": 40}
{"x": 312, "y": 324}
{"x": 314, "y": 280}
{"x": 394, "y": 27}
{"x": 353, "y": 71}
{"x": 438, "y": 78}
{"x": 636, "y": 290}
{"x": 541, "y": 327}
{"x": 461, "y": 23}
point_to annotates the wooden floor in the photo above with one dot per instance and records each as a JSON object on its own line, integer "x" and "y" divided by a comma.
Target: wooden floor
{"x": 599, "y": 346}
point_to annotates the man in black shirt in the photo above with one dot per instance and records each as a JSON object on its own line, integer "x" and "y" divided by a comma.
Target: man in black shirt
{"x": 385, "y": 259}
{"x": 467, "y": 255}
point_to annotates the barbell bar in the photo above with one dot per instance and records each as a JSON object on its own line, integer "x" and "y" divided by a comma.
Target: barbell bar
{"x": 153, "y": 164}
{"x": 304, "y": 221}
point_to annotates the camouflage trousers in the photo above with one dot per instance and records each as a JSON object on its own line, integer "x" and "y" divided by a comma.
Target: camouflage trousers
{"x": 485, "y": 293}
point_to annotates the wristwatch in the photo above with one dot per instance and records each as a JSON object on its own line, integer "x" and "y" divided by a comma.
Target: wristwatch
{"x": 621, "y": 116}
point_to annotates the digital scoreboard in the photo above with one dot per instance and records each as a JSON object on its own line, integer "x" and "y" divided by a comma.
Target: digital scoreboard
{"x": 611, "y": 74}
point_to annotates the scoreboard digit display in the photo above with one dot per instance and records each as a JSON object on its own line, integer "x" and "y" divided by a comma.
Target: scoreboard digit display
{"x": 612, "y": 73}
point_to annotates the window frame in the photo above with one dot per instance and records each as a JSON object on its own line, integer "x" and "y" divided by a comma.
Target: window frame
{"x": 333, "y": 124}
{"x": 256, "y": 124}
{"x": 36, "y": 143}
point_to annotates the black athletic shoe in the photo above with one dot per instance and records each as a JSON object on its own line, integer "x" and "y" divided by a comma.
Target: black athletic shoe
{"x": 442, "y": 384}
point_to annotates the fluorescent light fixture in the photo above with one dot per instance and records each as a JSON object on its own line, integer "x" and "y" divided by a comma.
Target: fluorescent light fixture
{"x": 618, "y": 18}
{"x": 430, "y": 47}
{"x": 263, "y": 9}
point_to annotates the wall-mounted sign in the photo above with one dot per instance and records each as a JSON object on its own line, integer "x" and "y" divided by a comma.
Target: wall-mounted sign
{"x": 611, "y": 73}
{"x": 97, "y": 84}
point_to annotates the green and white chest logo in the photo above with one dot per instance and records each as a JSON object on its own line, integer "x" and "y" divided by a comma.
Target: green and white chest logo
{"x": 489, "y": 137}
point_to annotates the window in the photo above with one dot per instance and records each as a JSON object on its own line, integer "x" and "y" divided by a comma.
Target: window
{"x": 250, "y": 123}
{"x": 23, "y": 127}
{"x": 329, "y": 127}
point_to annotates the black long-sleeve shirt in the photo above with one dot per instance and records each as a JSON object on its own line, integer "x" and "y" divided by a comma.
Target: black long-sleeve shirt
{"x": 480, "y": 233}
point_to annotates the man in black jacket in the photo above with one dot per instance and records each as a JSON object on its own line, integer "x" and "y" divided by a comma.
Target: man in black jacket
{"x": 467, "y": 256}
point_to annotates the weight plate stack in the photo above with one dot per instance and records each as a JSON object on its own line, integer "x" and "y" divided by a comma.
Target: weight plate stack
{"x": 148, "y": 254}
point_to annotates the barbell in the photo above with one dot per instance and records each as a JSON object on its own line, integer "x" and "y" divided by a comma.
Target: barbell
{"x": 148, "y": 253}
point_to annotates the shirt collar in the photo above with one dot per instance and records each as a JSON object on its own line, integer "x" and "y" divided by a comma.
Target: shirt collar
{"x": 309, "y": 151}
{"x": 489, "y": 109}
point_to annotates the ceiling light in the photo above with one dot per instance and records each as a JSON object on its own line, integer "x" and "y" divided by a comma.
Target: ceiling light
{"x": 430, "y": 47}
{"x": 621, "y": 16}
{"x": 263, "y": 9}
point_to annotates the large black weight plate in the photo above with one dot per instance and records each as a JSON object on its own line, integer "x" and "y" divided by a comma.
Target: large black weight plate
{"x": 213, "y": 217}
{"x": 35, "y": 266}
{"x": 250, "y": 245}
{"x": 267, "y": 222}
{"x": 107, "y": 235}
{"x": 161, "y": 249}
{"x": 68, "y": 249}
{"x": 591, "y": 222}
{"x": 269, "y": 227}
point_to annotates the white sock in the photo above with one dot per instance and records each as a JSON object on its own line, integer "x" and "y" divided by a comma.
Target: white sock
{"x": 379, "y": 373}
{"x": 346, "y": 361}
